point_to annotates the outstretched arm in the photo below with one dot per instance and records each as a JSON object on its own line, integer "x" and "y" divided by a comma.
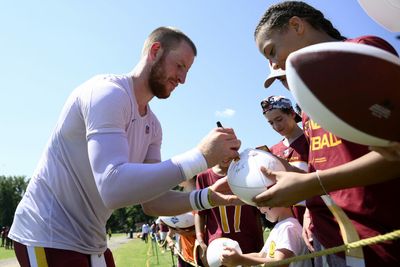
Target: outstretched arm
{"x": 122, "y": 183}
{"x": 232, "y": 257}
{"x": 290, "y": 188}
{"x": 220, "y": 195}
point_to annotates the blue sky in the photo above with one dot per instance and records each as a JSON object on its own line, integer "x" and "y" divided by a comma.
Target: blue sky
{"x": 50, "y": 47}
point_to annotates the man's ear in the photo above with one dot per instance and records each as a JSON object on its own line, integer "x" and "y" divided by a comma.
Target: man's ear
{"x": 297, "y": 24}
{"x": 155, "y": 51}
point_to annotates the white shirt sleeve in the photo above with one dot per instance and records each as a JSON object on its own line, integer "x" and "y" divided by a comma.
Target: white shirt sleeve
{"x": 290, "y": 239}
{"x": 106, "y": 109}
{"x": 121, "y": 183}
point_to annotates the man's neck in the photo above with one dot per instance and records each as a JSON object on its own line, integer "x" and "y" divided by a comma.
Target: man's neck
{"x": 297, "y": 131}
{"x": 141, "y": 89}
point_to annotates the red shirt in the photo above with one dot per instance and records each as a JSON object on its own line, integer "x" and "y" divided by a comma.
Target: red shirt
{"x": 163, "y": 227}
{"x": 295, "y": 152}
{"x": 240, "y": 223}
{"x": 372, "y": 209}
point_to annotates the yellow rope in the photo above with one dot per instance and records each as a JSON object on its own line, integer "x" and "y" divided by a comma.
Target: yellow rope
{"x": 149, "y": 253}
{"x": 163, "y": 243}
{"x": 361, "y": 243}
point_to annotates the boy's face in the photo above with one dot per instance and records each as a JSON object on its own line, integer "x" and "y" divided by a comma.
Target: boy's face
{"x": 280, "y": 121}
{"x": 271, "y": 214}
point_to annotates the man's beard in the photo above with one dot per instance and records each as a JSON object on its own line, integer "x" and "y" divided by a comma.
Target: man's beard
{"x": 156, "y": 79}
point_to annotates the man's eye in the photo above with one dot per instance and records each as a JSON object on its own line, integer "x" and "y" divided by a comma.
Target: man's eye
{"x": 272, "y": 52}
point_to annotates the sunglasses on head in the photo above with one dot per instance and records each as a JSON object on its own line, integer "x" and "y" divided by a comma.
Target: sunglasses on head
{"x": 266, "y": 106}
{"x": 275, "y": 103}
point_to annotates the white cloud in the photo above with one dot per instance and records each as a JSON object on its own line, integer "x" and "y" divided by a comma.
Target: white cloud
{"x": 225, "y": 113}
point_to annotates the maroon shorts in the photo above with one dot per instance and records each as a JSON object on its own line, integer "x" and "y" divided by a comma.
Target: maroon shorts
{"x": 51, "y": 257}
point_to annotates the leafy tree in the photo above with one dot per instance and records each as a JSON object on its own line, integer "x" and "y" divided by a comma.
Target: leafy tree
{"x": 12, "y": 189}
{"x": 125, "y": 218}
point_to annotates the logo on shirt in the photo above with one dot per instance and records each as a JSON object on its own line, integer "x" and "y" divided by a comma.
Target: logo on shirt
{"x": 271, "y": 251}
{"x": 147, "y": 131}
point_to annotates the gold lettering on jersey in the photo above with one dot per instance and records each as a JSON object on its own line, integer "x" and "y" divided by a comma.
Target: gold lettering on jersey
{"x": 335, "y": 141}
{"x": 320, "y": 160}
{"x": 314, "y": 125}
{"x": 324, "y": 141}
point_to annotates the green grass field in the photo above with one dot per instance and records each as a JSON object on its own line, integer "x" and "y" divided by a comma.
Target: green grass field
{"x": 6, "y": 253}
{"x": 133, "y": 254}
{"x": 139, "y": 254}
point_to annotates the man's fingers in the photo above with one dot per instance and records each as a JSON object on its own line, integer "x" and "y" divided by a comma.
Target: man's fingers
{"x": 228, "y": 131}
{"x": 234, "y": 200}
{"x": 234, "y": 146}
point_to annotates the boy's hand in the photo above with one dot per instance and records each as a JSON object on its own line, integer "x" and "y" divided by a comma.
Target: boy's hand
{"x": 230, "y": 257}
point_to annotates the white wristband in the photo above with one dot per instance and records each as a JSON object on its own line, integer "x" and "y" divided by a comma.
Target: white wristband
{"x": 199, "y": 199}
{"x": 191, "y": 163}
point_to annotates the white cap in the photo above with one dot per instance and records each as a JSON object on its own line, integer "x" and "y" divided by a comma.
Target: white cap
{"x": 384, "y": 12}
{"x": 274, "y": 73}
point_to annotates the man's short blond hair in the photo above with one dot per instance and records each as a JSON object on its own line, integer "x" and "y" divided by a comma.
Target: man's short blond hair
{"x": 169, "y": 38}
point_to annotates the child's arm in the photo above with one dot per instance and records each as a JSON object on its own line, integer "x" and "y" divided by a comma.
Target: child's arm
{"x": 232, "y": 257}
{"x": 280, "y": 254}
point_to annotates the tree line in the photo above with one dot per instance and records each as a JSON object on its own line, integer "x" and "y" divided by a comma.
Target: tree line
{"x": 12, "y": 188}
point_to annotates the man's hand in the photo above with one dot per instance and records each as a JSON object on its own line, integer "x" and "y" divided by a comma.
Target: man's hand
{"x": 221, "y": 194}
{"x": 220, "y": 144}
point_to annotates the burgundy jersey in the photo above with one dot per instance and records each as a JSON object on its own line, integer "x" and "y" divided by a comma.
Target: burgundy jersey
{"x": 295, "y": 153}
{"x": 372, "y": 209}
{"x": 163, "y": 227}
{"x": 240, "y": 223}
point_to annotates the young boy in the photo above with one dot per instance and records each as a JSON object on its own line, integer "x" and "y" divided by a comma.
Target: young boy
{"x": 283, "y": 242}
